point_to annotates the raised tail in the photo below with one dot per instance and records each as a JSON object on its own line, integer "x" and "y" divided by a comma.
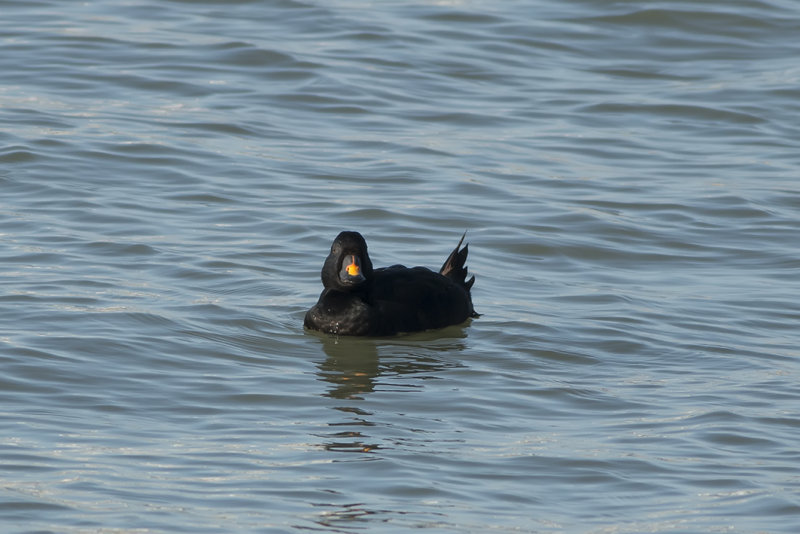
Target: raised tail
{"x": 454, "y": 269}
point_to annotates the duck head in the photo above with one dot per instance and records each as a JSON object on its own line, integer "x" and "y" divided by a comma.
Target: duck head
{"x": 348, "y": 266}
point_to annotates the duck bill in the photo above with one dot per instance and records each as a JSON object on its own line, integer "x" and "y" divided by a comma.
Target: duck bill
{"x": 351, "y": 272}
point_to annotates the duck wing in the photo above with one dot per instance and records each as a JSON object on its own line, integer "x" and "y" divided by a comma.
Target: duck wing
{"x": 413, "y": 299}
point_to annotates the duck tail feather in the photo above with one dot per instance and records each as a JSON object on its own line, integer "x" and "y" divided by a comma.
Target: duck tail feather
{"x": 454, "y": 267}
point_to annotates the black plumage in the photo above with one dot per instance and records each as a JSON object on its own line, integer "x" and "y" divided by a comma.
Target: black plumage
{"x": 361, "y": 301}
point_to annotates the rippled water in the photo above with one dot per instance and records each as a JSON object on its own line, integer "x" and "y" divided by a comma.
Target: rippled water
{"x": 172, "y": 174}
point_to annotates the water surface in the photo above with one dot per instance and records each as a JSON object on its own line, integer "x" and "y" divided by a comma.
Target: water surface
{"x": 171, "y": 177}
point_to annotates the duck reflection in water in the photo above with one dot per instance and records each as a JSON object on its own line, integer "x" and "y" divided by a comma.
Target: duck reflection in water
{"x": 355, "y": 367}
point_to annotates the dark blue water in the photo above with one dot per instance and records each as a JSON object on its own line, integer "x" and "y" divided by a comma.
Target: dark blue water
{"x": 171, "y": 177}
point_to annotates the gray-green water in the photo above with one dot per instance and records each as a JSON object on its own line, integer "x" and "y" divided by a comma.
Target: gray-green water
{"x": 172, "y": 174}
